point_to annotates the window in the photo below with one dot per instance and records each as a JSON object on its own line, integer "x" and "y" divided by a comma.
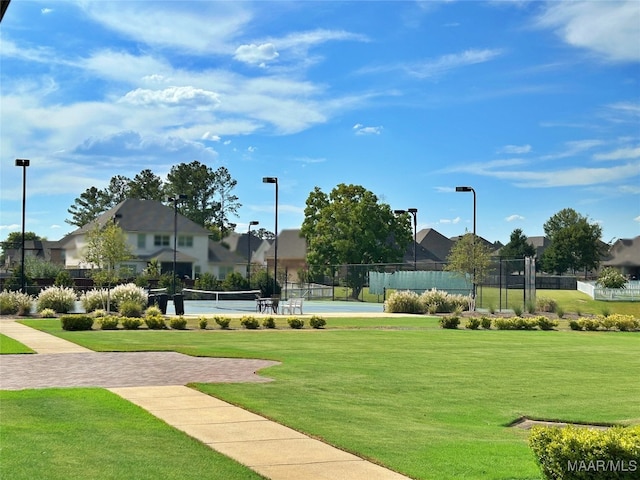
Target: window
{"x": 197, "y": 271}
{"x": 223, "y": 272}
{"x": 161, "y": 240}
{"x": 185, "y": 241}
{"x": 142, "y": 240}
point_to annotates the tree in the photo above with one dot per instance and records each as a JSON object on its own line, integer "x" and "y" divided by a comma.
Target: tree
{"x": 470, "y": 258}
{"x": 91, "y": 203}
{"x": 196, "y": 181}
{"x": 264, "y": 234}
{"x": 106, "y": 247}
{"x": 350, "y": 226}
{"x": 575, "y": 243}
{"x": 517, "y": 248}
{"x": 227, "y": 201}
{"x": 147, "y": 186}
{"x": 611, "y": 278}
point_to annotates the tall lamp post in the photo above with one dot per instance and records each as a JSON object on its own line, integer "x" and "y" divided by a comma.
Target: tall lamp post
{"x": 251, "y": 223}
{"x": 24, "y": 163}
{"x": 275, "y": 253}
{"x": 414, "y": 213}
{"x": 175, "y": 233}
{"x": 469, "y": 189}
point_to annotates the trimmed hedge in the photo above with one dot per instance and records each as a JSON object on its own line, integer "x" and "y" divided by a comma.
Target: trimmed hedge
{"x": 76, "y": 322}
{"x": 579, "y": 453}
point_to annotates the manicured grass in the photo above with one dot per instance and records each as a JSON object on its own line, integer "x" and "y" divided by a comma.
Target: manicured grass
{"x": 9, "y": 345}
{"x": 86, "y": 433}
{"x": 430, "y": 403}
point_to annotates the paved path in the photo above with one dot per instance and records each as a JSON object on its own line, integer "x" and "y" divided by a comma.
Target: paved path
{"x": 272, "y": 450}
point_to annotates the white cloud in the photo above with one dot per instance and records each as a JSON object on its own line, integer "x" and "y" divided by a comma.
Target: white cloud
{"x": 13, "y": 226}
{"x": 619, "y": 154}
{"x": 610, "y": 28}
{"x": 513, "y": 218}
{"x": 445, "y": 63}
{"x": 256, "y": 54}
{"x": 452, "y": 220}
{"x": 362, "y": 130}
{"x": 574, "y": 148}
{"x": 515, "y": 149}
{"x": 637, "y": 219}
{"x": 315, "y": 37}
{"x": 184, "y": 96}
{"x": 46, "y": 11}
{"x": 251, "y": 149}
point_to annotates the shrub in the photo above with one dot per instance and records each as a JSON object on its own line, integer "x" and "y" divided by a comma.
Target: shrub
{"x": 128, "y": 292}
{"x": 178, "y": 323}
{"x": 611, "y": 278}
{"x": 48, "y": 313}
{"x": 60, "y": 299}
{"x": 404, "y": 302}
{"x": 23, "y": 302}
{"x": 559, "y": 311}
{"x": 546, "y": 323}
{"x": 526, "y": 323}
{"x": 575, "y": 325}
{"x": 131, "y": 323}
{"x": 450, "y": 321}
{"x": 517, "y": 310}
{"x": 8, "y": 305}
{"x": 109, "y": 322}
{"x": 76, "y": 322}
{"x": 202, "y": 323}
{"x": 473, "y": 323}
{"x": 624, "y": 323}
{"x": 492, "y": 309}
{"x": 269, "y": 322}
{"x": 504, "y": 324}
{"x": 63, "y": 279}
{"x": 569, "y": 453}
{"x": 544, "y": 304}
{"x": 153, "y": 311}
{"x": 154, "y": 321}
{"x": 486, "y": 322}
{"x": 93, "y": 299}
{"x": 317, "y": 322}
{"x": 223, "y": 322}
{"x": 296, "y": 323}
{"x": 130, "y": 308}
{"x": 445, "y": 302}
{"x": 606, "y": 311}
{"x": 530, "y": 307}
{"x": 591, "y": 324}
{"x": 250, "y": 322}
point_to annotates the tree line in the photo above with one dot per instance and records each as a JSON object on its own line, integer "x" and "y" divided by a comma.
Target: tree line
{"x": 209, "y": 199}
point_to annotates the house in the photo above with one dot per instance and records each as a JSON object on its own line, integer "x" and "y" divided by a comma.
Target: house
{"x": 434, "y": 242}
{"x": 46, "y": 250}
{"x": 248, "y": 246}
{"x": 292, "y": 254}
{"x": 624, "y": 255}
{"x": 540, "y": 243}
{"x": 149, "y": 227}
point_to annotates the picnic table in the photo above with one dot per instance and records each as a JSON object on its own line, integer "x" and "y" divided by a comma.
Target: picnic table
{"x": 266, "y": 304}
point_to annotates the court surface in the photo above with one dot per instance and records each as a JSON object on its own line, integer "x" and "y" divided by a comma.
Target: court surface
{"x": 248, "y": 307}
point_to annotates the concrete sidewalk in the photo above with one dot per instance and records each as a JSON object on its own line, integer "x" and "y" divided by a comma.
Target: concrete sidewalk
{"x": 272, "y": 450}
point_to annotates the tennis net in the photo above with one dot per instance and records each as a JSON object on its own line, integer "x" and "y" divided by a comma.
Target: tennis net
{"x": 244, "y": 300}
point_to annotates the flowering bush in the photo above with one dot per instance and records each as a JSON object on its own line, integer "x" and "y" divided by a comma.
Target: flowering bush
{"x": 404, "y": 302}
{"x": 444, "y": 302}
{"x": 611, "y": 278}
{"x": 93, "y": 300}
{"x": 59, "y": 299}
{"x": 129, "y": 292}
{"x": 12, "y": 303}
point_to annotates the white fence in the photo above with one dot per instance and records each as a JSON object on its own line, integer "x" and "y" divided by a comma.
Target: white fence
{"x": 630, "y": 292}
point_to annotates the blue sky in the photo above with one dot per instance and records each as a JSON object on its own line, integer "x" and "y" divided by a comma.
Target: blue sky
{"x": 536, "y": 105}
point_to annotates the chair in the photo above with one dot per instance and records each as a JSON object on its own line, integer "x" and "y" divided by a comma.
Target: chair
{"x": 275, "y": 301}
{"x": 292, "y": 305}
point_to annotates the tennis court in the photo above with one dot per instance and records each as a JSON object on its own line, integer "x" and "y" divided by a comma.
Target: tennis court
{"x": 247, "y": 307}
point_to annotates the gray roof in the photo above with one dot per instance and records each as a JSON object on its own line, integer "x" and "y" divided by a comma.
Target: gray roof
{"x": 625, "y": 252}
{"x": 136, "y": 215}
{"x": 434, "y": 242}
{"x": 218, "y": 253}
{"x": 291, "y": 245}
{"x": 238, "y": 243}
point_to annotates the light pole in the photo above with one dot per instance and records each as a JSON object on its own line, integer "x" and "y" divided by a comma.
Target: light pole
{"x": 469, "y": 189}
{"x": 251, "y": 223}
{"x": 175, "y": 233}
{"x": 275, "y": 253}
{"x": 414, "y": 213}
{"x": 24, "y": 163}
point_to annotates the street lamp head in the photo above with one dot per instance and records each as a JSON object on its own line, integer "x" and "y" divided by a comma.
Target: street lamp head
{"x": 412, "y": 210}
{"x": 399, "y": 212}
{"x": 464, "y": 189}
{"x": 22, "y": 162}
{"x": 269, "y": 179}
{"x": 253, "y": 222}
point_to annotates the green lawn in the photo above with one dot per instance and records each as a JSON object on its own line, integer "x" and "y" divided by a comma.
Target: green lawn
{"x": 430, "y": 403}
{"x": 8, "y": 346}
{"x": 85, "y": 433}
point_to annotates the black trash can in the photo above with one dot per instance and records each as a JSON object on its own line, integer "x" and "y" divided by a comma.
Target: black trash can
{"x": 178, "y": 302}
{"x": 162, "y": 300}
{"x": 151, "y": 301}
